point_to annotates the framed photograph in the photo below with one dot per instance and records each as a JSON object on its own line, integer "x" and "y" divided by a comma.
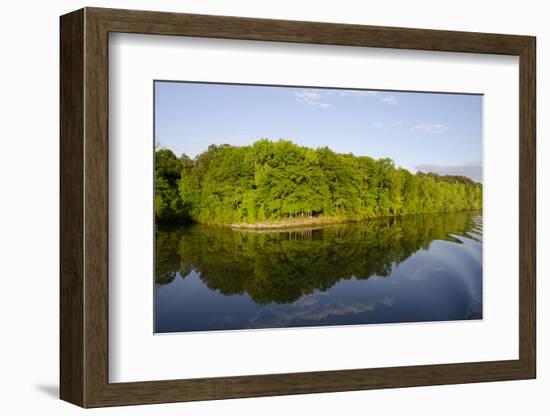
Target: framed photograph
{"x": 255, "y": 207}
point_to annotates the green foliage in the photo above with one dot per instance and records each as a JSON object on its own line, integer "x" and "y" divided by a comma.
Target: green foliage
{"x": 168, "y": 204}
{"x": 281, "y": 180}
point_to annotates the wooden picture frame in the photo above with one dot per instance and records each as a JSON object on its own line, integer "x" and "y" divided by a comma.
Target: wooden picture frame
{"x": 84, "y": 207}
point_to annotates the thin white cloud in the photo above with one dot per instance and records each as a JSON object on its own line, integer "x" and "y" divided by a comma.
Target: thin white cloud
{"x": 380, "y": 95}
{"x": 309, "y": 95}
{"x": 423, "y": 271}
{"x": 378, "y": 124}
{"x": 358, "y": 93}
{"x": 390, "y": 99}
{"x": 311, "y": 98}
{"x": 430, "y": 128}
{"x": 388, "y": 301}
{"x": 313, "y": 311}
{"x": 320, "y": 98}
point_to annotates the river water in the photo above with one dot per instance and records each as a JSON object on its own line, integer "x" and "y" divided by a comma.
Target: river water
{"x": 409, "y": 269}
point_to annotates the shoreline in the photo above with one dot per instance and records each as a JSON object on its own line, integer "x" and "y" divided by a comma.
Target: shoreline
{"x": 310, "y": 223}
{"x": 291, "y": 223}
{"x": 317, "y": 222}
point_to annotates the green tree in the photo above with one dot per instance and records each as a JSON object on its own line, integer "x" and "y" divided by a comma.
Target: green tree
{"x": 281, "y": 180}
{"x": 168, "y": 206}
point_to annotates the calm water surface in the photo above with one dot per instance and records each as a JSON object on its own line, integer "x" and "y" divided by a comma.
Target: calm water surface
{"x": 409, "y": 269}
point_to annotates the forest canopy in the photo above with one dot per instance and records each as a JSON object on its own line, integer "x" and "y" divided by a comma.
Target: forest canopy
{"x": 270, "y": 181}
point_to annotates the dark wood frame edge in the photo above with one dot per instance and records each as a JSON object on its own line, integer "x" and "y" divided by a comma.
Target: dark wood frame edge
{"x": 84, "y": 207}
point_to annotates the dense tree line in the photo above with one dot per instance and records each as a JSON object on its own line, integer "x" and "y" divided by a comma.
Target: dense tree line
{"x": 280, "y": 180}
{"x": 281, "y": 267}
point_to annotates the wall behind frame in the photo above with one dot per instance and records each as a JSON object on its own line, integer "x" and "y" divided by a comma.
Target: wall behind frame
{"x": 29, "y": 165}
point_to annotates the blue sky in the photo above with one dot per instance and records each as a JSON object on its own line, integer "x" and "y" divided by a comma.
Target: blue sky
{"x": 420, "y": 131}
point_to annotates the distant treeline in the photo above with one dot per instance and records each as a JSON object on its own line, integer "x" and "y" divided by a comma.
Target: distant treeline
{"x": 279, "y": 180}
